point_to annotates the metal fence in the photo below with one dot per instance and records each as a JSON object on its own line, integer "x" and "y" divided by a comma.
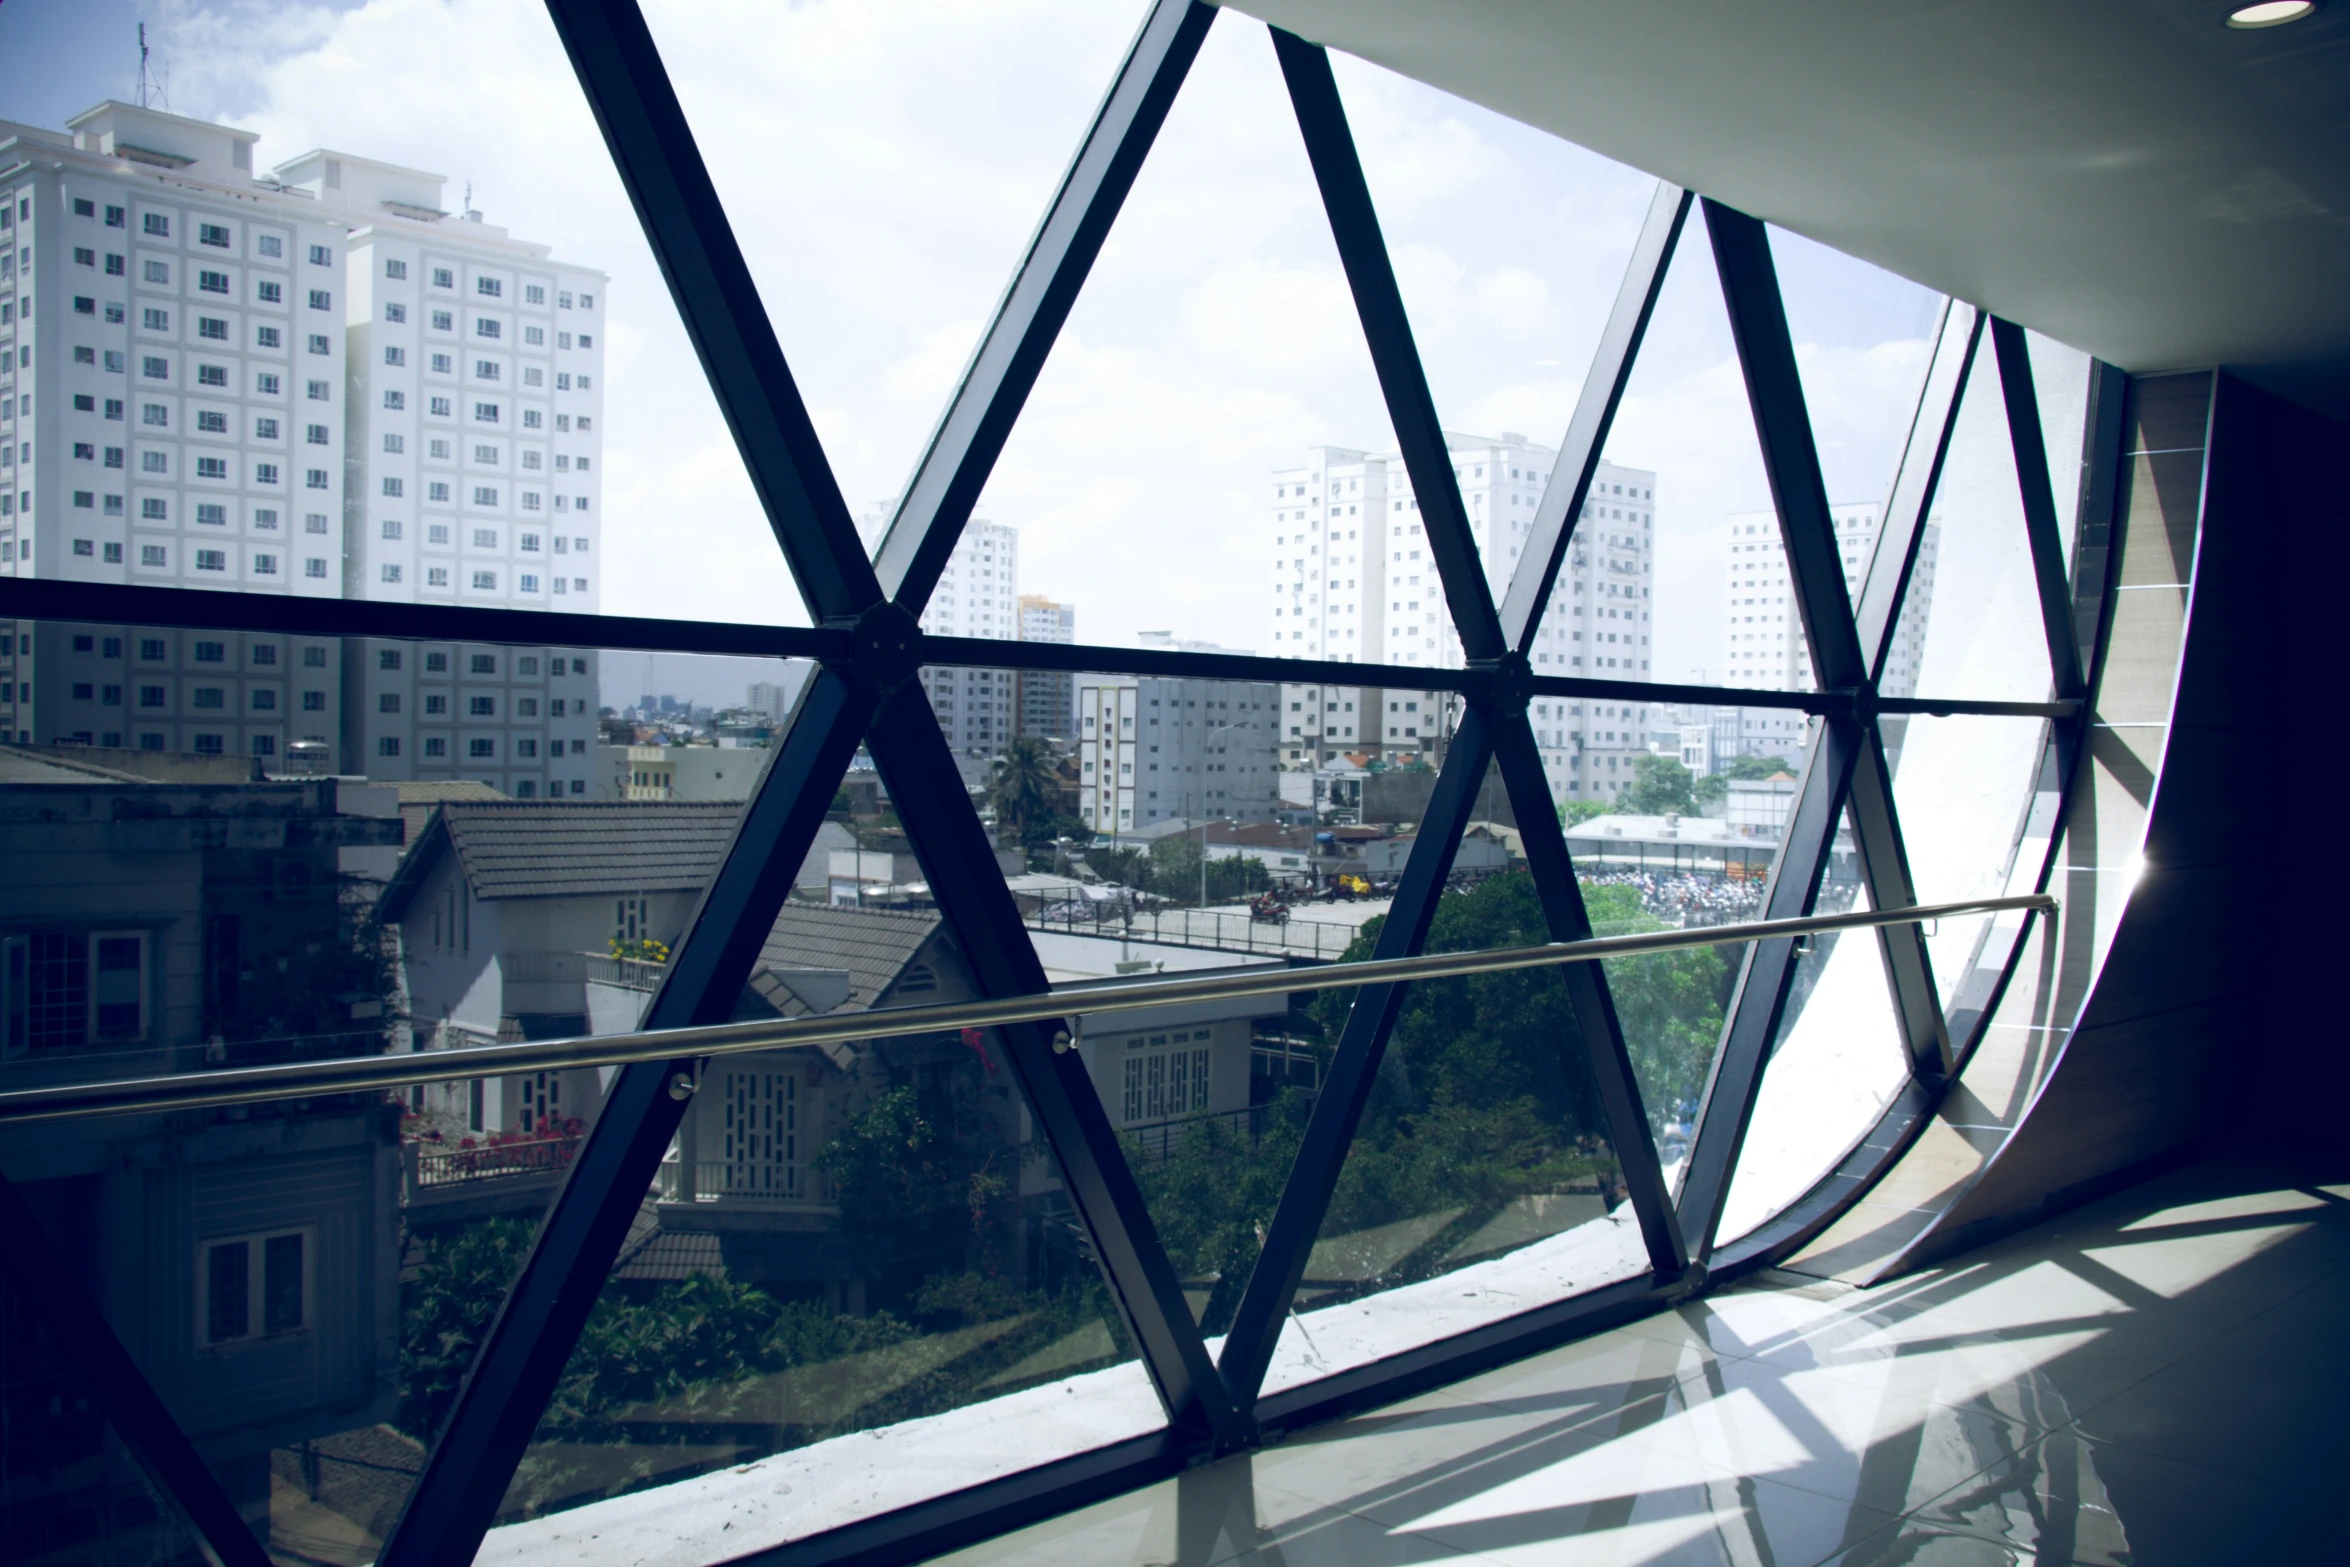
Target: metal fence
{"x": 432, "y": 1165}
{"x": 1224, "y": 931}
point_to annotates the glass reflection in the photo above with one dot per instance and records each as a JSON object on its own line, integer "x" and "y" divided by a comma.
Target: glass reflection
{"x": 2060, "y": 383}
{"x": 1968, "y": 779}
{"x": 305, "y": 1281}
{"x": 1482, "y": 1160}
{"x": 841, "y": 1237}
{"x": 1836, "y": 1063}
{"x": 1982, "y": 633}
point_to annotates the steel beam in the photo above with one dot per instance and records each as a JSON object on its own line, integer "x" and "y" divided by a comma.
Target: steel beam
{"x": 1877, "y": 839}
{"x": 2030, "y": 444}
{"x": 46, "y": 1282}
{"x": 1599, "y": 1031}
{"x": 1884, "y": 869}
{"x": 978, "y": 910}
{"x": 1561, "y": 506}
{"x": 978, "y": 420}
{"x": 651, "y": 145}
{"x": 284, "y": 614}
{"x": 1774, "y": 389}
{"x": 521, "y": 1358}
{"x": 1387, "y": 330}
{"x": 1354, "y": 1067}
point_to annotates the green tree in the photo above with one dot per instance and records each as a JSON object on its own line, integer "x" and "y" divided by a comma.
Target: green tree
{"x": 1170, "y": 869}
{"x": 1660, "y": 787}
{"x": 1026, "y": 790}
{"x": 1669, "y": 1004}
{"x": 915, "y": 1180}
{"x": 1715, "y": 788}
{"x": 1482, "y": 1106}
{"x": 446, "y": 1305}
{"x": 1573, "y": 811}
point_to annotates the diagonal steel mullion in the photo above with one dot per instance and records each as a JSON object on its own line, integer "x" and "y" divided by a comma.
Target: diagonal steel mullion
{"x": 1884, "y": 869}
{"x": 971, "y": 433}
{"x": 652, "y": 146}
{"x": 977, "y": 908}
{"x": 1766, "y": 354}
{"x": 1774, "y": 389}
{"x": 1759, "y": 1003}
{"x": 1599, "y": 1031}
{"x": 112, "y": 1380}
{"x": 1876, "y": 830}
{"x": 522, "y": 1357}
{"x": 1354, "y": 1067}
{"x": 2030, "y": 444}
{"x": 1902, "y": 533}
{"x": 1387, "y": 330}
{"x": 1561, "y": 506}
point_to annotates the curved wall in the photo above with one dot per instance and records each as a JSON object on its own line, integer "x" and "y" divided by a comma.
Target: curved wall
{"x": 2166, "y": 1009}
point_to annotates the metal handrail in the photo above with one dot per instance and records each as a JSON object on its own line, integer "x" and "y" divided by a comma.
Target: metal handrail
{"x": 292, "y": 1080}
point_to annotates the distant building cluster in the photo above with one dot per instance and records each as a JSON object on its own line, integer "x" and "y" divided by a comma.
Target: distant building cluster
{"x": 1355, "y": 582}
{"x": 315, "y": 382}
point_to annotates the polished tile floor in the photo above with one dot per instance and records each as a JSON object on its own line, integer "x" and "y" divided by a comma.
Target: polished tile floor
{"x": 2159, "y": 1378}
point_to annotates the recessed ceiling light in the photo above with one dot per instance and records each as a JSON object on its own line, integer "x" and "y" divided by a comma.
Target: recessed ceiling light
{"x": 2269, "y": 13}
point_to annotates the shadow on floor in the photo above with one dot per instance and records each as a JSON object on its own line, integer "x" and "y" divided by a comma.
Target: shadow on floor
{"x": 2154, "y": 1379}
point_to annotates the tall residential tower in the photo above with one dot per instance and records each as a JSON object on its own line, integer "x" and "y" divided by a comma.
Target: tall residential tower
{"x": 1355, "y": 582}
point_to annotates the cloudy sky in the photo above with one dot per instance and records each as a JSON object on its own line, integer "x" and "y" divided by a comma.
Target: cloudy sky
{"x": 885, "y": 162}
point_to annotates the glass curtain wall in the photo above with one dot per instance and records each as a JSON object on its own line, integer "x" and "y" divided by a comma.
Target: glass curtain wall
{"x": 874, "y": 1270}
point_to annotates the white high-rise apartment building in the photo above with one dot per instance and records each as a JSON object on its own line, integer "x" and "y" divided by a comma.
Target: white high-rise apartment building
{"x": 171, "y": 413}
{"x": 310, "y": 382}
{"x": 1047, "y": 698}
{"x": 475, "y": 478}
{"x": 1151, "y": 748}
{"x": 977, "y": 596}
{"x": 1764, "y": 644}
{"x": 1354, "y": 581}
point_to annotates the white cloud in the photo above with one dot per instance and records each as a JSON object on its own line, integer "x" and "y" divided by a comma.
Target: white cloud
{"x": 884, "y": 167}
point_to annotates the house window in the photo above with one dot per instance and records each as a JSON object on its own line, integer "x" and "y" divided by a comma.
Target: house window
{"x": 252, "y": 1287}
{"x": 60, "y": 990}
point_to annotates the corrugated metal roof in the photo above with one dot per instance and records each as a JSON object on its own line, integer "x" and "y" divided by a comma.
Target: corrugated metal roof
{"x": 530, "y": 849}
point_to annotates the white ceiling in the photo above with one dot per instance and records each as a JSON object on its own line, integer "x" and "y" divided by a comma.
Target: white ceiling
{"x": 2131, "y": 178}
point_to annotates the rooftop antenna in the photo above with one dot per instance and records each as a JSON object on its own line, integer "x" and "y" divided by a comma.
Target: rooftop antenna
{"x": 142, "y": 65}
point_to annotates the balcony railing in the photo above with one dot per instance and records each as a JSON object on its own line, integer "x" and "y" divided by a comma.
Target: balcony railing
{"x": 1158, "y": 1141}
{"x": 432, "y": 1165}
{"x": 1297, "y": 937}
{"x": 630, "y": 973}
{"x": 743, "y": 1184}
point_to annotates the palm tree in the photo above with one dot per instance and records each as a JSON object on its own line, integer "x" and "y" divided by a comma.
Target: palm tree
{"x": 1026, "y": 786}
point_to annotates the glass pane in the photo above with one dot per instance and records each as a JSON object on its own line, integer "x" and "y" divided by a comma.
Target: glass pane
{"x": 1213, "y": 357}
{"x": 1482, "y": 1182}
{"x": 2060, "y": 380}
{"x": 1863, "y": 338}
{"x": 1210, "y": 1101}
{"x": 306, "y": 1281}
{"x": 884, "y": 191}
{"x": 76, "y": 1492}
{"x": 1670, "y": 1005}
{"x": 1837, "y": 1062}
{"x": 1509, "y": 246}
{"x": 1961, "y": 785}
{"x": 378, "y": 354}
{"x": 843, "y": 1237}
{"x": 1971, "y": 622}
{"x": 1645, "y": 587}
